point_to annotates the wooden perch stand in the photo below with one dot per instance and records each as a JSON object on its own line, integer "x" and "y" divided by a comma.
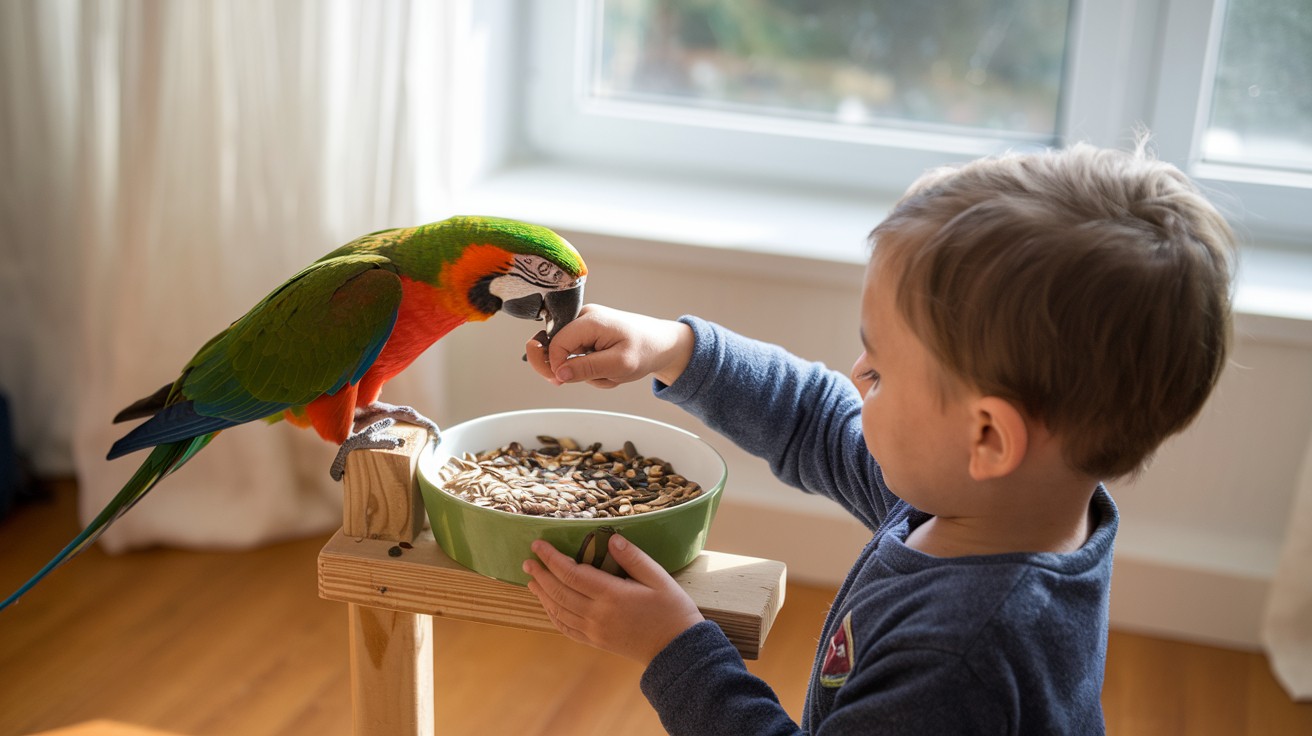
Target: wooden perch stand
{"x": 392, "y": 598}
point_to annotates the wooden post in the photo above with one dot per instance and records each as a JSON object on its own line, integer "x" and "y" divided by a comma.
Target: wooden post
{"x": 394, "y": 578}
{"x": 391, "y": 672}
{"x": 382, "y": 499}
{"x": 391, "y": 651}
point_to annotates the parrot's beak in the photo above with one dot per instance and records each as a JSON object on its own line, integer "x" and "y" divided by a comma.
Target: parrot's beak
{"x": 562, "y": 307}
{"x": 558, "y": 308}
{"x": 524, "y": 307}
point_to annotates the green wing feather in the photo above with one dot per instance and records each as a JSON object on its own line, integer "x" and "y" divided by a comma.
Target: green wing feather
{"x": 318, "y": 332}
{"x": 314, "y": 334}
{"x": 322, "y": 330}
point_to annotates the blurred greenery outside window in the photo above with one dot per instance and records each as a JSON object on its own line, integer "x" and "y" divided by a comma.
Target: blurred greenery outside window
{"x": 984, "y": 68}
{"x": 844, "y": 102}
{"x": 993, "y": 67}
{"x": 1261, "y": 111}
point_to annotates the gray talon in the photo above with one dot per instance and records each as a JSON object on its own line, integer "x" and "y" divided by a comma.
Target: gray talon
{"x": 370, "y": 421}
{"x": 407, "y": 414}
{"x": 372, "y": 437}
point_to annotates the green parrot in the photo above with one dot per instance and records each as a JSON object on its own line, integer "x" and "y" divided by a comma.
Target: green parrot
{"x": 318, "y": 349}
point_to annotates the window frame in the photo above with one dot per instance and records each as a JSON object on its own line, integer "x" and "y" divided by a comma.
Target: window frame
{"x": 1132, "y": 64}
{"x": 1264, "y": 203}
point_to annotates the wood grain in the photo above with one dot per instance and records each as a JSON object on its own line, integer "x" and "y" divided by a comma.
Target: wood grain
{"x": 104, "y": 727}
{"x": 214, "y": 643}
{"x": 391, "y": 637}
{"x": 741, "y": 594}
{"x": 370, "y": 506}
{"x": 391, "y": 672}
{"x": 363, "y": 566}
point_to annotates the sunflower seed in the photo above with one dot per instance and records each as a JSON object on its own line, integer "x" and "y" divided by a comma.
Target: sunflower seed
{"x": 561, "y": 478}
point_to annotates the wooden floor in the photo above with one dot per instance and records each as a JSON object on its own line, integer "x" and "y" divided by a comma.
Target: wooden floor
{"x": 239, "y": 643}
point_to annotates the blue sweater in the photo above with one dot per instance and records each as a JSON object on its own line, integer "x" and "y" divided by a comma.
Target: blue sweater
{"x": 913, "y": 644}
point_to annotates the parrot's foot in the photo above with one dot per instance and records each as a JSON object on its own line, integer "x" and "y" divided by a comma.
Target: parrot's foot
{"x": 371, "y": 425}
{"x": 372, "y": 437}
{"x": 376, "y": 410}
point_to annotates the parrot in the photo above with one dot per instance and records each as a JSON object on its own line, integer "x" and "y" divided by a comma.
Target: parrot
{"x": 317, "y": 350}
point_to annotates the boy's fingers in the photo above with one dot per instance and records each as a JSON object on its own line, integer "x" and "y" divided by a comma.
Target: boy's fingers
{"x": 583, "y": 580}
{"x": 564, "y": 619}
{"x": 602, "y": 369}
{"x": 559, "y": 352}
{"x": 536, "y": 355}
{"x": 558, "y": 593}
{"x": 638, "y": 564}
{"x": 575, "y": 338}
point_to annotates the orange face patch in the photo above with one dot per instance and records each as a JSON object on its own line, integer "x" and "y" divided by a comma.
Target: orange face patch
{"x": 475, "y": 263}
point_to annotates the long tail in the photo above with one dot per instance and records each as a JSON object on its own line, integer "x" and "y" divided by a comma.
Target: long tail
{"x": 163, "y": 460}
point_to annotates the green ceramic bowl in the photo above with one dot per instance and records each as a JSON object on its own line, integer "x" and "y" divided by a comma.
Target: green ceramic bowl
{"x": 496, "y": 543}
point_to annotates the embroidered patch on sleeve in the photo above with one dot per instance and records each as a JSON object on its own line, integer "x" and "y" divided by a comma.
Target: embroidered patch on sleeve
{"x": 839, "y": 655}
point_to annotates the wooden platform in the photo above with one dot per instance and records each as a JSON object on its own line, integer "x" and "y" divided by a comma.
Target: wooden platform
{"x": 210, "y": 643}
{"x": 741, "y": 594}
{"x": 391, "y": 600}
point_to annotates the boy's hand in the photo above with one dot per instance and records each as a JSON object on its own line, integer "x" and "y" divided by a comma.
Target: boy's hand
{"x": 610, "y": 347}
{"x": 634, "y": 617}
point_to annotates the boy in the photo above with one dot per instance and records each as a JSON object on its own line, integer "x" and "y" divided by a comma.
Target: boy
{"x": 1031, "y": 326}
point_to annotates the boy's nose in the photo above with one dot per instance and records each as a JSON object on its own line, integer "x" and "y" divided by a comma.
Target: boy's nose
{"x": 857, "y": 369}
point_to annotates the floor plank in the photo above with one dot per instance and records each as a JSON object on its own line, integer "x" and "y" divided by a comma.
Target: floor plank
{"x": 199, "y": 643}
{"x": 104, "y": 728}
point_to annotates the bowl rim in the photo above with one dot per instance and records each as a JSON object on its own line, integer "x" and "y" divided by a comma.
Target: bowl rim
{"x": 427, "y": 485}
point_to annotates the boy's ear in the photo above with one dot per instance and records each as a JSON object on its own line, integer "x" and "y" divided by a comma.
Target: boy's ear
{"x": 999, "y": 440}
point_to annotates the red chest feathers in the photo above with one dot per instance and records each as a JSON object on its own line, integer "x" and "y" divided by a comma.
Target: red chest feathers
{"x": 422, "y": 319}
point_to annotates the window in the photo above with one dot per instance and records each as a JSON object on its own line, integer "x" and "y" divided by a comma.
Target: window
{"x": 990, "y": 68}
{"x": 1261, "y": 111}
{"x": 865, "y": 95}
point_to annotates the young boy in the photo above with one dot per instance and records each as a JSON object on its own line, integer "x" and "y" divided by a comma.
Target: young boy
{"x": 1031, "y": 326}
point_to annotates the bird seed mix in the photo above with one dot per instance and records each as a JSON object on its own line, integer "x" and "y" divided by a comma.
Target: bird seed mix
{"x": 564, "y": 480}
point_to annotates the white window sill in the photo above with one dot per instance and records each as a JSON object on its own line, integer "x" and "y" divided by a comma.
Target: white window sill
{"x": 804, "y": 232}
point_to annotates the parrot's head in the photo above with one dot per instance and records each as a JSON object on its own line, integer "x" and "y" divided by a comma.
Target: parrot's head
{"x": 532, "y": 273}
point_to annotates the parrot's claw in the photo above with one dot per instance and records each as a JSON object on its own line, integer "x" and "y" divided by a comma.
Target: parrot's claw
{"x": 371, "y": 425}
{"x": 367, "y": 415}
{"x": 372, "y": 437}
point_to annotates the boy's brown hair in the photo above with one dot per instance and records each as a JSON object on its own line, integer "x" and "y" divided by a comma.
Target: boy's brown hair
{"x": 1089, "y": 287}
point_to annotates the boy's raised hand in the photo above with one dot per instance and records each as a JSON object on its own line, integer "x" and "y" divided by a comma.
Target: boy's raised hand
{"x": 610, "y": 347}
{"x": 638, "y": 616}
{"x": 634, "y": 617}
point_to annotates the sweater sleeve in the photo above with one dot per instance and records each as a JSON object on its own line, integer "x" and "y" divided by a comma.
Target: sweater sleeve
{"x": 803, "y": 418}
{"x": 699, "y": 685}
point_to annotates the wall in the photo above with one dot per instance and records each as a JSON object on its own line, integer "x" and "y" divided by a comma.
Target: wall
{"x": 1201, "y": 528}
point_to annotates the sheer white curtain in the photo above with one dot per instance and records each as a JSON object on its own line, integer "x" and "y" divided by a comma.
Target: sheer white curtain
{"x": 1287, "y": 628}
{"x": 170, "y": 164}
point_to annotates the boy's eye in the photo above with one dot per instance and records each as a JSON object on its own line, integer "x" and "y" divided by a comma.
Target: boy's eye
{"x": 870, "y": 375}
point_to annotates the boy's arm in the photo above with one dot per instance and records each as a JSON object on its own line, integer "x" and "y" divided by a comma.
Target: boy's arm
{"x": 801, "y": 417}
{"x": 699, "y": 684}
{"x": 695, "y": 679}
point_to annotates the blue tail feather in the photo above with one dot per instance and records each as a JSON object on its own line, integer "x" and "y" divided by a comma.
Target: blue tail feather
{"x": 175, "y": 423}
{"x": 163, "y": 460}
